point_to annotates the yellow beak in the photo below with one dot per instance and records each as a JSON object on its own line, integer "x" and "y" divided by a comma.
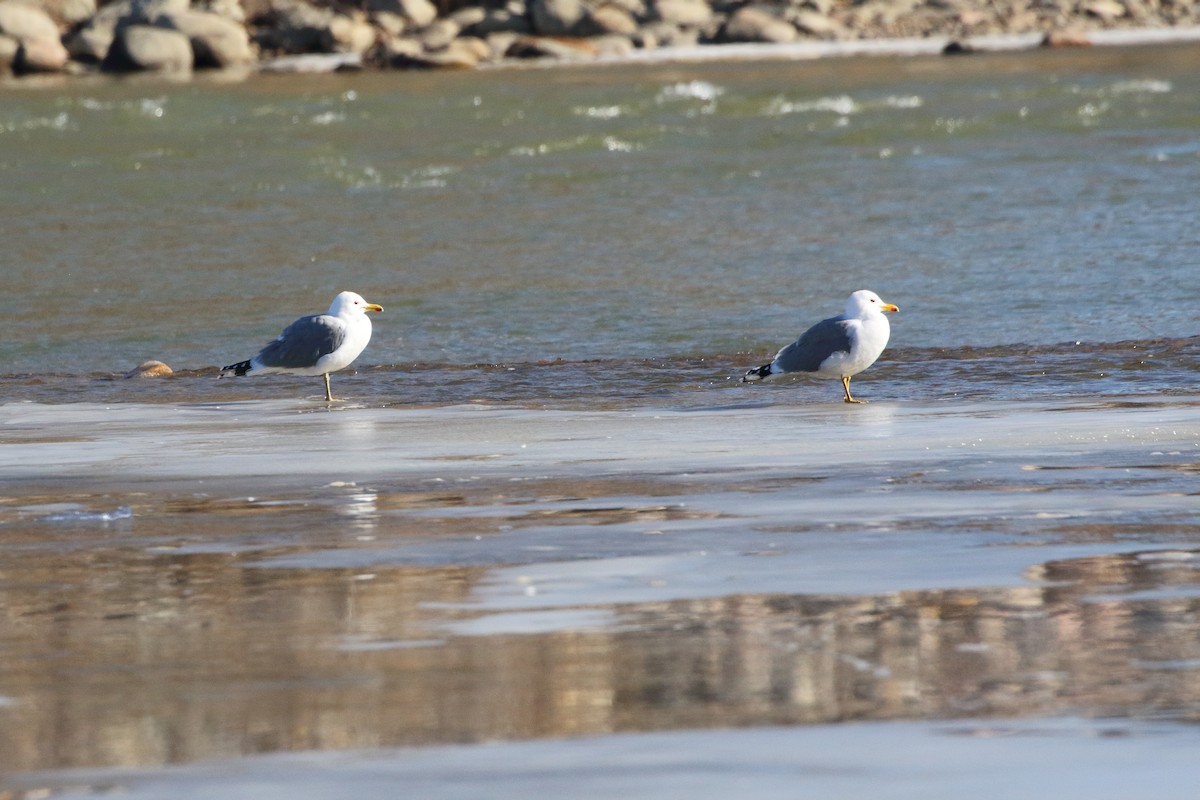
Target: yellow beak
{"x": 377, "y": 307}
{"x": 889, "y": 307}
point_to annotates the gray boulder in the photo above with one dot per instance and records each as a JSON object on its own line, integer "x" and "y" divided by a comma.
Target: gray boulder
{"x": 294, "y": 27}
{"x": 90, "y": 44}
{"x": 36, "y": 34}
{"x": 683, "y": 13}
{"x": 350, "y": 33}
{"x": 67, "y": 12}
{"x": 137, "y": 48}
{"x": 41, "y": 55}
{"x": 820, "y": 25}
{"x": 556, "y": 17}
{"x": 751, "y": 24}
{"x": 612, "y": 19}
{"x": 217, "y": 41}
{"x": 440, "y": 34}
{"x": 500, "y": 20}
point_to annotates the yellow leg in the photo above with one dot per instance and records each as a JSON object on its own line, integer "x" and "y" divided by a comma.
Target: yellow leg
{"x": 846, "y": 386}
{"x": 329, "y": 392}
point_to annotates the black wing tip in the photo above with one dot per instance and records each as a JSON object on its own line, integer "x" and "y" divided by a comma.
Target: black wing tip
{"x": 238, "y": 369}
{"x": 757, "y": 374}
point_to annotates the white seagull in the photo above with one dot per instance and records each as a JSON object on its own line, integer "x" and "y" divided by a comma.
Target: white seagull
{"x": 317, "y": 344}
{"x": 838, "y": 347}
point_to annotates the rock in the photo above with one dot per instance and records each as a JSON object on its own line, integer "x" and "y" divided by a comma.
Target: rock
{"x": 146, "y": 11}
{"x": 459, "y": 54}
{"x": 500, "y": 20}
{"x": 667, "y": 34}
{"x": 499, "y": 43}
{"x": 556, "y": 17}
{"x": 67, "y": 12}
{"x": 397, "y": 51}
{"x": 41, "y": 55}
{"x": 752, "y": 24}
{"x": 1066, "y": 38}
{"x": 971, "y": 17}
{"x": 612, "y": 46}
{"x": 469, "y": 15}
{"x": 38, "y": 45}
{"x": 612, "y": 19}
{"x": 820, "y": 25}
{"x": 546, "y": 47}
{"x": 230, "y": 9}
{"x": 89, "y": 44}
{"x": 418, "y": 12}
{"x": 683, "y": 13}
{"x": 217, "y": 41}
{"x": 148, "y": 48}
{"x": 440, "y": 34}
{"x": 483, "y": 50}
{"x": 390, "y": 23}
{"x": 23, "y": 22}
{"x": 150, "y": 369}
{"x": 350, "y": 34}
{"x": 295, "y": 27}
{"x": 1107, "y": 10}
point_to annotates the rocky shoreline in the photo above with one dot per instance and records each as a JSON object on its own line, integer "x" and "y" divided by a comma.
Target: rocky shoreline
{"x": 178, "y": 36}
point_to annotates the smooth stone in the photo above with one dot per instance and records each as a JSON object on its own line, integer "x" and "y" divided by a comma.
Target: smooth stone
{"x": 216, "y": 40}
{"x": 148, "y": 48}
{"x": 150, "y": 369}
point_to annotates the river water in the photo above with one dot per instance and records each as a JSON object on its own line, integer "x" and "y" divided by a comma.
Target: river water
{"x": 650, "y": 212}
{"x": 546, "y": 507}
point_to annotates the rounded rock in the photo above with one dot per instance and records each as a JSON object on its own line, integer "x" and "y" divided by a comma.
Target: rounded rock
{"x": 148, "y": 48}
{"x": 150, "y": 369}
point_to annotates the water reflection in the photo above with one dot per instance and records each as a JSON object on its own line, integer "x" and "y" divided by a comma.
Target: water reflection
{"x": 144, "y": 655}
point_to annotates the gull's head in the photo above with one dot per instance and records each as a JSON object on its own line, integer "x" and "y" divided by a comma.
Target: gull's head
{"x": 864, "y": 302}
{"x": 351, "y": 303}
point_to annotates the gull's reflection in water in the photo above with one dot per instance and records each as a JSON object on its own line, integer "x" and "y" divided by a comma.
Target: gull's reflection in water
{"x": 359, "y": 511}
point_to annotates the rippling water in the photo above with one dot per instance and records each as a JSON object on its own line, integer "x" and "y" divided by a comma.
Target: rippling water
{"x": 700, "y": 215}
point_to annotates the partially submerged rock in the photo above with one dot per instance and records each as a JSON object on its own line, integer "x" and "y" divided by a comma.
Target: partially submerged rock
{"x": 150, "y": 369}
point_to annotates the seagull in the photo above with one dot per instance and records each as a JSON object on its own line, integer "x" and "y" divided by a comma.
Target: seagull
{"x": 317, "y": 344}
{"x": 838, "y": 347}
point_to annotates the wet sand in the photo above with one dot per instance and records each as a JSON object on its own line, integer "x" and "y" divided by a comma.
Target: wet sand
{"x": 197, "y": 582}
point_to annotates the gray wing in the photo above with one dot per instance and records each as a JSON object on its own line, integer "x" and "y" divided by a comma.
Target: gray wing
{"x": 304, "y": 342}
{"x": 817, "y": 344}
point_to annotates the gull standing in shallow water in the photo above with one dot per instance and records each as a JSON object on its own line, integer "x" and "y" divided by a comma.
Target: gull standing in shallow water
{"x": 838, "y": 347}
{"x": 317, "y": 344}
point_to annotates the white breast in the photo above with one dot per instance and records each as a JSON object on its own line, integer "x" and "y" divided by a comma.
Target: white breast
{"x": 868, "y": 338}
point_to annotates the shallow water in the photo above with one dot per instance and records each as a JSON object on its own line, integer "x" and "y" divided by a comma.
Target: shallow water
{"x": 546, "y": 507}
{"x": 660, "y": 211}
